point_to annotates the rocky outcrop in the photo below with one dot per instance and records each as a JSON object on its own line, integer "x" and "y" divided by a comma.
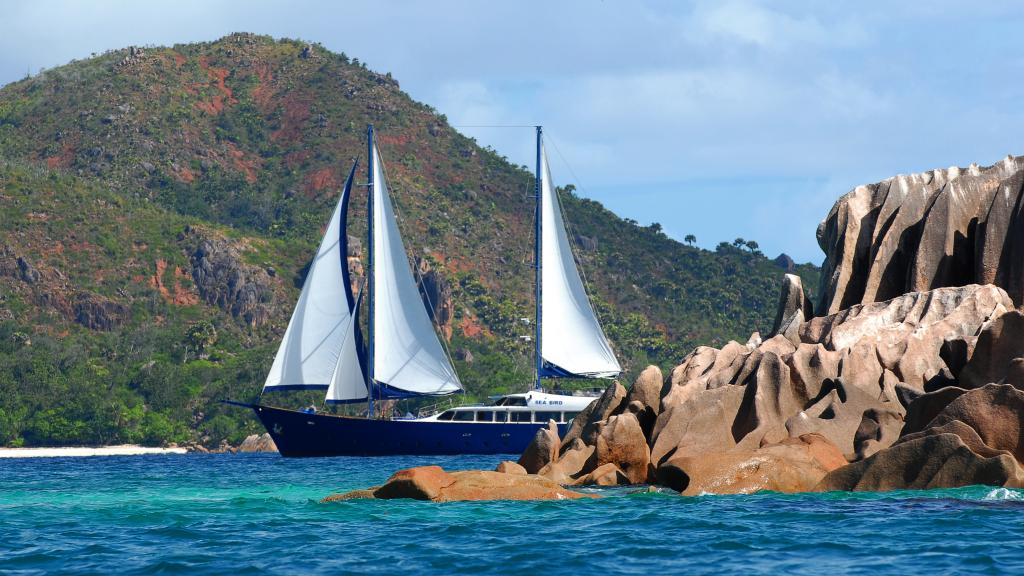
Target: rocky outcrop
{"x": 745, "y": 417}
{"x": 914, "y": 233}
{"x": 795, "y": 465}
{"x": 542, "y": 450}
{"x": 97, "y": 312}
{"x": 976, "y": 439}
{"x": 257, "y": 443}
{"x": 436, "y": 292}
{"x": 224, "y": 280}
{"x": 793, "y": 310}
{"x": 434, "y": 484}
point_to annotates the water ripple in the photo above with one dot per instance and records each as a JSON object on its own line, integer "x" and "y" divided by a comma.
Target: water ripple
{"x": 260, "y": 514}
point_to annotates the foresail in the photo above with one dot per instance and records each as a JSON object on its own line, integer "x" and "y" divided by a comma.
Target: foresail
{"x": 572, "y": 342}
{"x": 313, "y": 341}
{"x": 408, "y": 358}
{"x": 349, "y": 381}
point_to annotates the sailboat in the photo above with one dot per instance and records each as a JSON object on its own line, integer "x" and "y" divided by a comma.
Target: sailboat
{"x": 402, "y": 355}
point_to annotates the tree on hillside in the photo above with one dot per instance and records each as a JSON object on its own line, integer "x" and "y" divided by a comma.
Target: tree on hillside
{"x": 752, "y": 246}
{"x": 690, "y": 239}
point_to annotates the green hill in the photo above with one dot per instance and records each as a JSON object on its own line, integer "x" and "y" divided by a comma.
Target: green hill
{"x": 161, "y": 206}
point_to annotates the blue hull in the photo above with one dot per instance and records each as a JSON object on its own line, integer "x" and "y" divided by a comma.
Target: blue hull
{"x": 298, "y": 434}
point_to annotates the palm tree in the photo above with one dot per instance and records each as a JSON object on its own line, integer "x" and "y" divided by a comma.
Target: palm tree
{"x": 690, "y": 239}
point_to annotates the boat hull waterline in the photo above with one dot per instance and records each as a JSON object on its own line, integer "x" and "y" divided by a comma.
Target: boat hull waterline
{"x": 302, "y": 434}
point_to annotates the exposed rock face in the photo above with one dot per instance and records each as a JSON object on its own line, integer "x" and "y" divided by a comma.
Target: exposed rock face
{"x": 976, "y": 439}
{"x": 924, "y": 231}
{"x": 98, "y": 313}
{"x": 223, "y": 279}
{"x": 258, "y": 443}
{"x": 434, "y": 484}
{"x": 437, "y": 295}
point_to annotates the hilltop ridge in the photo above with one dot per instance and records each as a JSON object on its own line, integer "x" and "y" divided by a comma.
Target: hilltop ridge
{"x": 162, "y": 204}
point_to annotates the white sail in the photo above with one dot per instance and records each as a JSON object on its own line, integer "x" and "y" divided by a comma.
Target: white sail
{"x": 349, "y": 381}
{"x": 407, "y": 354}
{"x": 571, "y": 337}
{"x": 312, "y": 343}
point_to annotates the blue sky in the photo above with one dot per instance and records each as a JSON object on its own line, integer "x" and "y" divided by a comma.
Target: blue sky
{"x": 721, "y": 119}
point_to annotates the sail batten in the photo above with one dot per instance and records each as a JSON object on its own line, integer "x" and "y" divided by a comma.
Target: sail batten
{"x": 313, "y": 341}
{"x": 408, "y": 358}
{"x": 572, "y": 341}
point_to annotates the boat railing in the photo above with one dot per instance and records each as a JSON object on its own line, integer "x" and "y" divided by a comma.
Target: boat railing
{"x": 432, "y": 409}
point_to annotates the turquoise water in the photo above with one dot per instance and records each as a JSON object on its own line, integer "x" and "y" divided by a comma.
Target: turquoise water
{"x": 258, "y": 514}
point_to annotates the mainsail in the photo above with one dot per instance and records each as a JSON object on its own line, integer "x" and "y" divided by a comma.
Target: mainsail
{"x": 572, "y": 342}
{"x": 408, "y": 359}
{"x": 312, "y": 343}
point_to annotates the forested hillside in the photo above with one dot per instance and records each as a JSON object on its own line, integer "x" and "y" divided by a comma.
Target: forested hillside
{"x": 161, "y": 205}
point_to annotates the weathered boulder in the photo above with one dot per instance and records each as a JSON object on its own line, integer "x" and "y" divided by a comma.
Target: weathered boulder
{"x": 796, "y": 465}
{"x": 932, "y": 461}
{"x": 703, "y": 423}
{"x": 258, "y": 443}
{"x": 585, "y": 425}
{"x": 604, "y": 475}
{"x": 793, "y": 309}
{"x": 646, "y": 395}
{"x": 622, "y": 442}
{"x": 1001, "y": 342}
{"x": 543, "y": 450}
{"x": 574, "y": 462}
{"x": 975, "y": 439}
{"x": 436, "y": 292}
{"x": 434, "y": 484}
{"x": 509, "y": 467}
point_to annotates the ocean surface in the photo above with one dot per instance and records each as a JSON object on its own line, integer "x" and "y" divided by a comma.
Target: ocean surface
{"x": 259, "y": 514}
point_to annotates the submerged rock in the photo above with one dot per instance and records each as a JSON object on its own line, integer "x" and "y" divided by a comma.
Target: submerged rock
{"x": 434, "y": 484}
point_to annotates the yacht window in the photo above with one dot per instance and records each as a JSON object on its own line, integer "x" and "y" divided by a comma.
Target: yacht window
{"x": 512, "y": 401}
{"x": 543, "y": 417}
{"x": 446, "y": 415}
{"x": 523, "y": 416}
{"x": 484, "y": 416}
{"x": 464, "y": 415}
{"x": 501, "y": 416}
{"x": 570, "y": 415}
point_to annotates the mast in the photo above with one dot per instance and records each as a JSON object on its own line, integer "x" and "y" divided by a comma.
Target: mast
{"x": 370, "y": 271}
{"x": 537, "y": 264}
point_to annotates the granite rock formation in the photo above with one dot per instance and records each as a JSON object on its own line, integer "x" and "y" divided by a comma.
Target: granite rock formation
{"x": 914, "y": 233}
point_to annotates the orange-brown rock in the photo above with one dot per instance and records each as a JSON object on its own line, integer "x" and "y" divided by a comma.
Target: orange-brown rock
{"x": 509, "y": 467}
{"x": 796, "y": 465}
{"x": 622, "y": 442}
{"x": 644, "y": 398}
{"x": 604, "y": 475}
{"x": 434, "y": 484}
{"x": 542, "y": 450}
{"x": 574, "y": 462}
{"x": 585, "y": 424}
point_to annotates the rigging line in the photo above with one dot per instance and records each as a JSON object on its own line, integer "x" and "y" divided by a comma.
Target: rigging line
{"x": 492, "y": 126}
{"x": 398, "y": 221}
{"x": 572, "y": 237}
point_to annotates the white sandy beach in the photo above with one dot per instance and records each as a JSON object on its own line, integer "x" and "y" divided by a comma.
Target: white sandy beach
{"x": 72, "y": 451}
